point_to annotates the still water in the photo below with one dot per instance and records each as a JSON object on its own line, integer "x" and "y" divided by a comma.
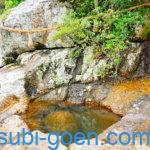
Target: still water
{"x": 58, "y": 117}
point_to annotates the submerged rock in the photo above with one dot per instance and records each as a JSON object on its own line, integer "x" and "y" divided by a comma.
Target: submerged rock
{"x": 29, "y": 15}
{"x": 62, "y": 121}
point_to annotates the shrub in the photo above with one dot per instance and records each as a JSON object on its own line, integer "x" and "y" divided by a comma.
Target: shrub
{"x": 11, "y": 3}
{"x": 107, "y": 24}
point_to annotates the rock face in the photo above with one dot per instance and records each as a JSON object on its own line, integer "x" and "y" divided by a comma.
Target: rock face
{"x": 133, "y": 60}
{"x": 47, "y": 69}
{"x": 81, "y": 93}
{"x": 57, "y": 94}
{"x": 91, "y": 66}
{"x": 36, "y": 73}
{"x": 29, "y": 15}
{"x": 146, "y": 56}
{"x": 12, "y": 81}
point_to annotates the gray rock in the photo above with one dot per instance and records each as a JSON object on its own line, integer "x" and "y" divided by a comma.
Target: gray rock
{"x": 37, "y": 73}
{"x": 132, "y": 61}
{"x": 76, "y": 93}
{"x": 29, "y": 15}
{"x": 55, "y": 94}
{"x": 146, "y": 57}
{"x": 47, "y": 70}
{"x": 94, "y": 92}
{"x": 12, "y": 81}
{"x": 91, "y": 66}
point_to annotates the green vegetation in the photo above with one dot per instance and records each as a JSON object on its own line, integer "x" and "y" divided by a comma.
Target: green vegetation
{"x": 74, "y": 54}
{"x": 11, "y": 3}
{"x": 8, "y": 5}
{"x": 106, "y": 24}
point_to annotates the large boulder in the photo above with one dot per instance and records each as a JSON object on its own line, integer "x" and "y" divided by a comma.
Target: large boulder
{"x": 36, "y": 73}
{"x": 47, "y": 69}
{"x": 30, "y": 15}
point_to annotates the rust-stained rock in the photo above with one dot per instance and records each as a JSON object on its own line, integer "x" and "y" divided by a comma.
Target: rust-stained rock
{"x": 123, "y": 95}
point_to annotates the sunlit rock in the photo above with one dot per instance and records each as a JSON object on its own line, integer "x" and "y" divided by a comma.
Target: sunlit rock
{"x": 12, "y": 81}
{"x": 30, "y": 15}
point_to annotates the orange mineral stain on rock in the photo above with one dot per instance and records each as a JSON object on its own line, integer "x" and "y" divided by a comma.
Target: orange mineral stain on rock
{"x": 123, "y": 95}
{"x": 8, "y": 103}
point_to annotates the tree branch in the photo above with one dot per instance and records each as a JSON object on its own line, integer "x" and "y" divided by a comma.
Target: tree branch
{"x": 138, "y": 6}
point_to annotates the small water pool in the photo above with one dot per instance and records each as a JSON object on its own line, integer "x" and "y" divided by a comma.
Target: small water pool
{"x": 58, "y": 117}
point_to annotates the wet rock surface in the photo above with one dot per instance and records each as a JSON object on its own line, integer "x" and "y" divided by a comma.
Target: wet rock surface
{"x": 123, "y": 95}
